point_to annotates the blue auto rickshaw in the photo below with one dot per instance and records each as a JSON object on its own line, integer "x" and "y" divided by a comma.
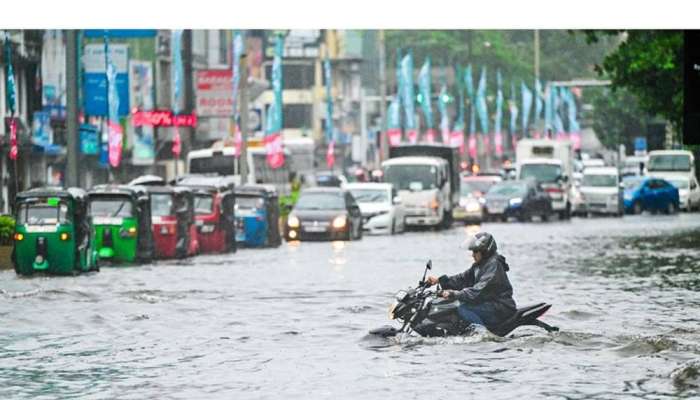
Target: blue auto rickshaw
{"x": 257, "y": 216}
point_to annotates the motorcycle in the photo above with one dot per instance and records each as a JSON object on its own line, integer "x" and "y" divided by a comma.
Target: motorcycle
{"x": 424, "y": 311}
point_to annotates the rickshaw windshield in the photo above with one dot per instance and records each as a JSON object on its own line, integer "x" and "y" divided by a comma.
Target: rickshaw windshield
{"x": 111, "y": 207}
{"x": 42, "y": 214}
{"x": 161, "y": 205}
{"x": 203, "y": 204}
{"x": 249, "y": 203}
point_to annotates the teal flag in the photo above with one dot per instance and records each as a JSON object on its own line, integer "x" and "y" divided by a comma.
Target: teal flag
{"x": 469, "y": 83}
{"x": 527, "y": 106}
{"x": 538, "y": 100}
{"x": 442, "y": 108}
{"x": 274, "y": 114}
{"x": 329, "y": 100}
{"x": 408, "y": 97}
{"x": 481, "y": 106}
{"x": 424, "y": 84}
{"x": 547, "y": 109}
{"x": 10, "y": 84}
{"x": 513, "y": 108}
{"x": 499, "y": 104}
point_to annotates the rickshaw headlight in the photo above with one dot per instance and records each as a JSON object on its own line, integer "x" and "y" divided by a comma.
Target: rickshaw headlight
{"x": 293, "y": 222}
{"x": 292, "y": 234}
{"x": 164, "y": 230}
{"x": 65, "y": 236}
{"x": 127, "y": 233}
{"x": 19, "y": 237}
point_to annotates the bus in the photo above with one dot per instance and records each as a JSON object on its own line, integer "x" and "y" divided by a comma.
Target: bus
{"x": 223, "y": 161}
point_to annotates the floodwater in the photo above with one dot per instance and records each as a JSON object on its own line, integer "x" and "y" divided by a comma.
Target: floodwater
{"x": 292, "y": 322}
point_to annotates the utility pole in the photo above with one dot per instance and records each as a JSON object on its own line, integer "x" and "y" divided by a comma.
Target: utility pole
{"x": 537, "y": 54}
{"x": 72, "y": 178}
{"x": 383, "y": 152}
{"x": 243, "y": 110}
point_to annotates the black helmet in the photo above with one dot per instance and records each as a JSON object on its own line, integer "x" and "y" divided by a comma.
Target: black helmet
{"x": 483, "y": 242}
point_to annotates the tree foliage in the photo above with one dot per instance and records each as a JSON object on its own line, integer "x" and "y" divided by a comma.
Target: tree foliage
{"x": 617, "y": 117}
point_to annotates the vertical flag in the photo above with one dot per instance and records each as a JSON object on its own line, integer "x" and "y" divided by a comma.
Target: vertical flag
{"x": 424, "y": 84}
{"x": 115, "y": 134}
{"x": 498, "y": 137}
{"x": 330, "y": 139}
{"x": 393, "y": 123}
{"x": 273, "y": 130}
{"x": 482, "y": 109}
{"x": 237, "y": 51}
{"x": 574, "y": 128}
{"x": 11, "y": 98}
{"x": 513, "y": 108}
{"x": 527, "y": 106}
{"x": 558, "y": 124}
{"x": 538, "y": 105}
{"x": 457, "y": 135}
{"x": 409, "y": 97}
{"x": 469, "y": 85}
{"x": 442, "y": 107}
{"x": 547, "y": 111}
{"x": 177, "y": 76}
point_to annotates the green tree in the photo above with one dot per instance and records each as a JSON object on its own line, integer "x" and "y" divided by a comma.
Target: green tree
{"x": 617, "y": 117}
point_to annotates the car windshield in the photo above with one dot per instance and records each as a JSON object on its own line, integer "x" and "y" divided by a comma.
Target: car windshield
{"x": 248, "y": 203}
{"x": 406, "y": 177}
{"x": 203, "y": 204}
{"x": 111, "y": 207}
{"x": 508, "y": 189}
{"x": 632, "y": 183}
{"x": 680, "y": 183}
{"x": 320, "y": 201}
{"x": 42, "y": 214}
{"x": 599, "y": 180}
{"x": 370, "y": 195}
{"x": 541, "y": 172}
{"x": 669, "y": 162}
{"x": 161, "y": 205}
{"x": 468, "y": 187}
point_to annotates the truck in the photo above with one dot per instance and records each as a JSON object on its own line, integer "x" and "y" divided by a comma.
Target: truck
{"x": 426, "y": 178}
{"x": 550, "y": 164}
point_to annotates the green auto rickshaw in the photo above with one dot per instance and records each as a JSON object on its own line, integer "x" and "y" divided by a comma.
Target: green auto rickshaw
{"x": 121, "y": 218}
{"x": 52, "y": 233}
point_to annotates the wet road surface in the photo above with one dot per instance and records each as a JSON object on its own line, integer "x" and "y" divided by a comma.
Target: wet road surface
{"x": 292, "y": 322}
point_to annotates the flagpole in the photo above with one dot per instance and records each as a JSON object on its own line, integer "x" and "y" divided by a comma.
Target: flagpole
{"x": 109, "y": 165}
{"x": 383, "y": 142}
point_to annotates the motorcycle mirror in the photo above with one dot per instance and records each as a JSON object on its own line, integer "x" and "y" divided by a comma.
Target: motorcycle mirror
{"x": 429, "y": 265}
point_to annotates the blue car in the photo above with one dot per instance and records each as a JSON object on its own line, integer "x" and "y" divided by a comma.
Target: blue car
{"x": 645, "y": 193}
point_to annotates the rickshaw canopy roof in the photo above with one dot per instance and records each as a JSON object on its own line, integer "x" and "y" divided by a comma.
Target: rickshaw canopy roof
{"x": 256, "y": 190}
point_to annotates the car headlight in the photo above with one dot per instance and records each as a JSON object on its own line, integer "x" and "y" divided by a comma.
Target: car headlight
{"x": 482, "y": 200}
{"x": 293, "y": 221}
{"x": 515, "y": 201}
{"x": 340, "y": 221}
{"x": 628, "y": 196}
{"x": 473, "y": 206}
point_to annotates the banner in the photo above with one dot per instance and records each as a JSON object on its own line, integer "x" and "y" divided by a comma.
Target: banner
{"x": 115, "y": 136}
{"x": 527, "y": 106}
{"x": 11, "y": 98}
{"x": 472, "y": 133}
{"x": 409, "y": 97}
{"x": 548, "y": 111}
{"x": 513, "y": 108}
{"x": 42, "y": 134}
{"x": 538, "y": 103}
{"x": 53, "y": 73}
{"x": 481, "y": 106}
{"x": 176, "y": 76}
{"x": 213, "y": 91}
{"x": 393, "y": 126}
{"x": 574, "y": 128}
{"x": 95, "y": 81}
{"x": 498, "y": 137}
{"x": 141, "y": 99}
{"x": 273, "y": 129}
{"x": 424, "y": 84}
{"x": 558, "y": 124}
{"x": 468, "y": 82}
{"x": 238, "y": 49}
{"x": 442, "y": 108}
{"x": 330, "y": 139}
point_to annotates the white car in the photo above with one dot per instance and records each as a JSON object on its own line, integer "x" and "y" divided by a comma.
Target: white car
{"x": 601, "y": 192}
{"x": 382, "y": 211}
{"x": 688, "y": 191}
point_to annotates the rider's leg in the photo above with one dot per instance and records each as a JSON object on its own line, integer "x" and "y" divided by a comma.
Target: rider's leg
{"x": 470, "y": 315}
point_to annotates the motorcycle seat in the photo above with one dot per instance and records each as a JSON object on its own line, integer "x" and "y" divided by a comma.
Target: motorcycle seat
{"x": 525, "y": 316}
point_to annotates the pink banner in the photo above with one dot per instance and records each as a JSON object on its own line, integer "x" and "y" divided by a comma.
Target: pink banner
{"x": 115, "y": 143}
{"x": 394, "y": 136}
{"x": 498, "y": 142}
{"x": 412, "y": 136}
{"x": 14, "y": 151}
{"x": 472, "y": 146}
{"x": 273, "y": 147}
{"x": 330, "y": 154}
{"x": 237, "y": 140}
{"x": 487, "y": 143}
{"x": 430, "y": 136}
{"x": 576, "y": 140}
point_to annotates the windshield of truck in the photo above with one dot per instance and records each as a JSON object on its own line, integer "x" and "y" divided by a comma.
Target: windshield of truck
{"x": 540, "y": 172}
{"x": 320, "y": 201}
{"x": 407, "y": 177}
{"x": 42, "y": 214}
{"x": 508, "y": 189}
{"x": 111, "y": 207}
{"x": 599, "y": 180}
{"x": 370, "y": 195}
{"x": 203, "y": 204}
{"x": 161, "y": 205}
{"x": 669, "y": 162}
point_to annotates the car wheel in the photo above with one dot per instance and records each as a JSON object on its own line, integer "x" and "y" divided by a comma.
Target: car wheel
{"x": 671, "y": 209}
{"x": 544, "y": 217}
{"x": 393, "y": 226}
{"x": 637, "y": 208}
{"x": 359, "y": 231}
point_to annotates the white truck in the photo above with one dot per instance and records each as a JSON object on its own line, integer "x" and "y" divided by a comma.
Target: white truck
{"x": 426, "y": 178}
{"x": 550, "y": 163}
{"x": 601, "y": 192}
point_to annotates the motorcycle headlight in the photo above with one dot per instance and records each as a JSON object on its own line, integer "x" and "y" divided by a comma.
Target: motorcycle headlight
{"x": 400, "y": 295}
{"x": 392, "y": 308}
{"x": 340, "y": 221}
{"x": 293, "y": 221}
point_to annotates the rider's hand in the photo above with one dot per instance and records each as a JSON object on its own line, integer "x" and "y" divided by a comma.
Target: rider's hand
{"x": 449, "y": 294}
{"x": 431, "y": 280}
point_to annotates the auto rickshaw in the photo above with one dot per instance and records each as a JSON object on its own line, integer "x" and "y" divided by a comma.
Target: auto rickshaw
{"x": 257, "y": 216}
{"x": 214, "y": 211}
{"x": 172, "y": 222}
{"x": 121, "y": 217}
{"x": 53, "y": 234}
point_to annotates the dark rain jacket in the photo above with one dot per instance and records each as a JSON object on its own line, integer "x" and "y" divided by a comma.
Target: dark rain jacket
{"x": 484, "y": 284}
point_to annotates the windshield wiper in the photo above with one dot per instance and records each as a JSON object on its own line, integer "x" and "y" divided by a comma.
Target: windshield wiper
{"x": 119, "y": 209}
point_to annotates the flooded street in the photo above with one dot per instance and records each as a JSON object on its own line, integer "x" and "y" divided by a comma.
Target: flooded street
{"x": 292, "y": 322}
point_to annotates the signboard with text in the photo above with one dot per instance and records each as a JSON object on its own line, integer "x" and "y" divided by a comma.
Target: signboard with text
{"x": 214, "y": 93}
{"x": 95, "y": 79}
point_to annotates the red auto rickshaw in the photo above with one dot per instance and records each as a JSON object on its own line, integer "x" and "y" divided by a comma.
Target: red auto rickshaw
{"x": 173, "y": 223}
{"x": 214, "y": 211}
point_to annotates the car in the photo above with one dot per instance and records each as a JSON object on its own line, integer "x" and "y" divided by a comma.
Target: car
{"x": 600, "y": 191}
{"x": 634, "y": 166}
{"x": 381, "y": 208}
{"x": 521, "y": 199}
{"x": 330, "y": 179}
{"x": 650, "y": 194}
{"x": 471, "y": 199}
{"x": 688, "y": 192}
{"x": 324, "y": 213}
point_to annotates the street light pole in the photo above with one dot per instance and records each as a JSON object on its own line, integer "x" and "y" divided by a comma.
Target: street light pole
{"x": 243, "y": 104}
{"x": 383, "y": 143}
{"x": 72, "y": 178}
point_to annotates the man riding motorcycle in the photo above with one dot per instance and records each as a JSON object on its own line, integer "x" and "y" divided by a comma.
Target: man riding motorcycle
{"x": 484, "y": 291}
